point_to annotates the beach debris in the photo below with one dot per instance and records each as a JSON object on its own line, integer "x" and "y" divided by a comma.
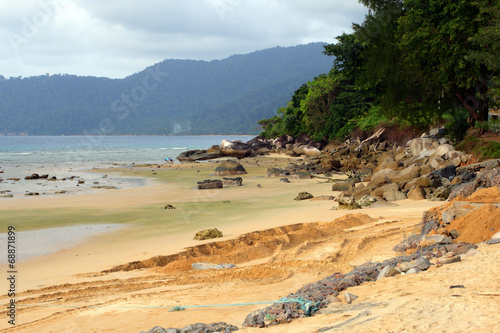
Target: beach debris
{"x": 198, "y": 266}
{"x": 209, "y": 184}
{"x": 196, "y": 328}
{"x": 208, "y": 234}
{"x": 303, "y": 196}
{"x": 350, "y": 297}
{"x": 457, "y": 286}
{"x": 229, "y": 167}
{"x": 238, "y": 181}
{"x": 168, "y": 207}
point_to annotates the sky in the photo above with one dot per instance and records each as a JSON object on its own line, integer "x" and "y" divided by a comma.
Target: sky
{"x": 117, "y": 38}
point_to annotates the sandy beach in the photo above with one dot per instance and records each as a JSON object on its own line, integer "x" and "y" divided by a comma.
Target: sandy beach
{"x": 293, "y": 243}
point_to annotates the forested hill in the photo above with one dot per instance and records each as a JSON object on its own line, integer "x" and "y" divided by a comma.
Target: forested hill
{"x": 224, "y": 96}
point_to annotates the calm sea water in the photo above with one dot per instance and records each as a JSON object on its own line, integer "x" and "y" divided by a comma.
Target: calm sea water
{"x": 72, "y": 156}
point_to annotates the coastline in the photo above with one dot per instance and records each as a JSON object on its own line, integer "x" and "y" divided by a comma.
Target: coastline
{"x": 151, "y": 231}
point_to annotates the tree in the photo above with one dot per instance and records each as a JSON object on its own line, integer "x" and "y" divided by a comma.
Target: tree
{"x": 434, "y": 37}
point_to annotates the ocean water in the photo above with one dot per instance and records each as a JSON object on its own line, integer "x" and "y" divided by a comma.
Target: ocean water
{"x": 73, "y": 156}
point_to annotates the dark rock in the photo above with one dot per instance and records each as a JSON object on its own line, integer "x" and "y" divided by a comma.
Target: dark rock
{"x": 29, "y": 194}
{"x": 106, "y": 187}
{"x": 208, "y": 234}
{"x": 198, "y": 155}
{"x": 303, "y": 196}
{"x": 440, "y": 194}
{"x": 238, "y": 181}
{"x": 169, "y": 207}
{"x": 33, "y": 176}
{"x": 229, "y": 167}
{"x": 210, "y": 184}
{"x": 447, "y": 172}
{"x": 284, "y": 180}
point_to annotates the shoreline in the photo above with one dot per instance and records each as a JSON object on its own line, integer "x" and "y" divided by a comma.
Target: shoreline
{"x": 265, "y": 271}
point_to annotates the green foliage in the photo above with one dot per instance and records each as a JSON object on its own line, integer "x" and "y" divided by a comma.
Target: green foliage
{"x": 457, "y": 124}
{"x": 483, "y": 150}
{"x": 373, "y": 118}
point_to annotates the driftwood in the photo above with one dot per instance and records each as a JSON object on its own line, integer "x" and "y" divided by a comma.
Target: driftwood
{"x": 371, "y": 138}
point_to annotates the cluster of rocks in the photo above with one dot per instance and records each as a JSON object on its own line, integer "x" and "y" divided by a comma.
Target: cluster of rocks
{"x": 195, "y": 328}
{"x": 286, "y": 144}
{"x": 319, "y": 293}
{"x": 228, "y": 167}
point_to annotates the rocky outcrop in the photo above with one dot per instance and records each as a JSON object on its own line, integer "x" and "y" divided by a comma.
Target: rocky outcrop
{"x": 195, "y": 328}
{"x": 235, "y": 148}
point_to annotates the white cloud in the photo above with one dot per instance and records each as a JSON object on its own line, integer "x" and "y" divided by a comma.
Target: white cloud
{"x": 116, "y": 38}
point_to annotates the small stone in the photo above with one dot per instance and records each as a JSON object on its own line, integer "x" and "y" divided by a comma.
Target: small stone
{"x": 414, "y": 270}
{"x": 350, "y": 297}
{"x": 169, "y": 207}
{"x": 259, "y": 186}
{"x": 446, "y": 261}
{"x": 303, "y": 196}
{"x": 284, "y": 180}
{"x": 208, "y": 234}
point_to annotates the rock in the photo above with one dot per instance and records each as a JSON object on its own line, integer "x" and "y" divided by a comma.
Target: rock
{"x": 33, "y": 176}
{"x": 208, "y": 234}
{"x": 29, "y": 194}
{"x": 414, "y": 270}
{"x": 434, "y": 240}
{"x": 493, "y": 241}
{"x": 379, "y": 192}
{"x": 346, "y": 202}
{"x": 440, "y": 194}
{"x": 394, "y": 195}
{"x": 350, "y": 297}
{"x": 387, "y": 271}
{"x": 198, "y": 155}
{"x": 454, "y": 234}
{"x": 382, "y": 177}
{"x": 198, "y": 266}
{"x": 323, "y": 198}
{"x": 422, "y": 182}
{"x": 157, "y": 329}
{"x": 6, "y": 196}
{"x": 448, "y": 260}
{"x": 169, "y": 207}
{"x": 341, "y": 186}
{"x": 238, "y": 181}
{"x": 303, "y": 196}
{"x": 61, "y": 192}
{"x": 420, "y": 263}
{"x": 457, "y": 210}
{"x": 367, "y": 200}
{"x": 235, "y": 148}
{"x": 229, "y": 167}
{"x": 406, "y": 175}
{"x": 196, "y": 328}
{"x": 259, "y": 186}
{"x": 418, "y": 145}
{"x": 107, "y": 187}
{"x": 210, "y": 184}
{"x": 416, "y": 193}
{"x": 284, "y": 180}
{"x": 447, "y": 172}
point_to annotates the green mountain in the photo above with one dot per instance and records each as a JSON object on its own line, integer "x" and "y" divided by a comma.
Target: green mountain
{"x": 224, "y": 96}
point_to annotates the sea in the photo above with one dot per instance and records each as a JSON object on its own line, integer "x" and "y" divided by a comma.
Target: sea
{"x": 71, "y": 157}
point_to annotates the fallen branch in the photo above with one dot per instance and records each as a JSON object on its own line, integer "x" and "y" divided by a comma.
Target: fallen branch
{"x": 371, "y": 138}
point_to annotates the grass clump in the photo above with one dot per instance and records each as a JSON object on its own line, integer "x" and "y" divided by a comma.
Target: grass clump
{"x": 481, "y": 149}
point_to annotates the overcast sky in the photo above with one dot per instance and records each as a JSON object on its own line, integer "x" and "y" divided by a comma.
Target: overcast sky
{"x": 116, "y": 38}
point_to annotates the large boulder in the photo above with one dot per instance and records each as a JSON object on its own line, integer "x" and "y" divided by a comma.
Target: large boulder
{"x": 416, "y": 193}
{"x": 199, "y": 155}
{"x": 382, "y": 177}
{"x": 235, "y": 148}
{"x": 347, "y": 202}
{"x": 394, "y": 195}
{"x": 379, "y": 192}
{"x": 228, "y": 168}
{"x": 406, "y": 175}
